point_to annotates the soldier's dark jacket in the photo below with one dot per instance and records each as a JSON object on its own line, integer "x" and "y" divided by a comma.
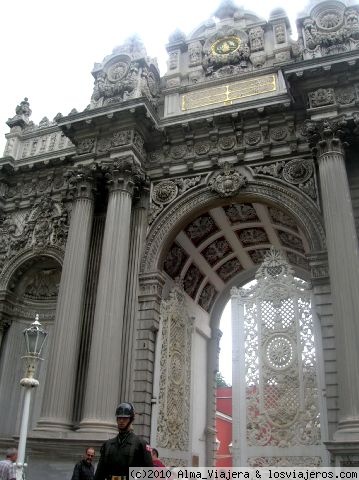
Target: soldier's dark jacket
{"x": 120, "y": 453}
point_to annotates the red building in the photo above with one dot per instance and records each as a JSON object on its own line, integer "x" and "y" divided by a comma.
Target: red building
{"x": 224, "y": 426}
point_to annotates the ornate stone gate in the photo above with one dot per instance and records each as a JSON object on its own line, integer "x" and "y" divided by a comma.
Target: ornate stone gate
{"x": 189, "y": 179}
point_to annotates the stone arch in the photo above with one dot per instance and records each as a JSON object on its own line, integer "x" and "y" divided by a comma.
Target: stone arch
{"x": 29, "y": 284}
{"x": 201, "y": 198}
{"x": 25, "y": 256}
{"x": 177, "y": 215}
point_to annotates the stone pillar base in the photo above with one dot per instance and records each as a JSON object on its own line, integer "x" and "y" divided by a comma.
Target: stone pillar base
{"x": 94, "y": 426}
{"x": 345, "y": 454}
{"x": 53, "y": 425}
{"x": 348, "y": 431}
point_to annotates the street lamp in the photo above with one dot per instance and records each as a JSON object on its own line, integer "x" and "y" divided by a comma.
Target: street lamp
{"x": 35, "y": 337}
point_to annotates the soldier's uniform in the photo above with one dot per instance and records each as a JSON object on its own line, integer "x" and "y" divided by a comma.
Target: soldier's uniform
{"x": 120, "y": 453}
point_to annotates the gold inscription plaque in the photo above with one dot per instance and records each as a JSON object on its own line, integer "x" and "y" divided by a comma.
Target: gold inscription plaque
{"x": 226, "y": 94}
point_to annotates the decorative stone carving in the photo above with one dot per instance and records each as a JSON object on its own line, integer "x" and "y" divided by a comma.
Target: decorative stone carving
{"x": 227, "y": 143}
{"x": 195, "y": 54}
{"x": 45, "y": 225}
{"x": 178, "y": 151}
{"x": 21, "y": 119}
{"x": 43, "y": 285}
{"x": 227, "y": 47}
{"x": 252, "y": 138}
{"x": 256, "y": 39}
{"x": 207, "y": 297}
{"x": 282, "y": 218}
{"x": 81, "y": 181}
{"x": 325, "y": 135}
{"x": 278, "y": 133}
{"x": 229, "y": 269}
{"x": 280, "y": 355}
{"x": 175, "y": 373}
{"x": 322, "y": 96}
{"x": 166, "y": 191}
{"x": 298, "y": 172}
{"x": 216, "y": 251}
{"x": 345, "y": 96}
{"x": 280, "y": 33}
{"x": 202, "y": 148}
{"x": 252, "y": 236}
{"x": 85, "y": 145}
{"x": 332, "y": 29}
{"x": 227, "y": 183}
{"x": 192, "y": 280}
{"x": 291, "y": 241}
{"x": 201, "y": 228}
{"x": 174, "y": 261}
{"x": 241, "y": 213}
{"x": 173, "y": 59}
{"x": 123, "y": 173}
{"x": 124, "y": 75}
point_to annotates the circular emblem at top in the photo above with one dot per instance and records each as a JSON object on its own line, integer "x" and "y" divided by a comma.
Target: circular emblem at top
{"x": 226, "y": 45}
{"x": 117, "y": 71}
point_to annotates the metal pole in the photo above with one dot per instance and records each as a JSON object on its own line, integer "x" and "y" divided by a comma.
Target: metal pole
{"x": 29, "y": 384}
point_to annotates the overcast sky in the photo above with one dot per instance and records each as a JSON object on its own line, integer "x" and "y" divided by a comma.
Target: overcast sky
{"x": 48, "y": 48}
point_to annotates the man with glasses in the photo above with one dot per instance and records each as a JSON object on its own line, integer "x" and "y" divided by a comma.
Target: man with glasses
{"x": 84, "y": 469}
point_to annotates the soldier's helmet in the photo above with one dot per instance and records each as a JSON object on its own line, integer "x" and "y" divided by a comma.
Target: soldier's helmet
{"x": 125, "y": 409}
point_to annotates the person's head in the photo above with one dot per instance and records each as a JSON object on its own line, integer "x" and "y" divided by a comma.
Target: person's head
{"x": 125, "y": 414}
{"x": 154, "y": 453}
{"x": 11, "y": 454}
{"x": 89, "y": 454}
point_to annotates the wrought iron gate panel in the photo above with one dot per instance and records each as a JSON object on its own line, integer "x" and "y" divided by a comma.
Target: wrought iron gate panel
{"x": 281, "y": 421}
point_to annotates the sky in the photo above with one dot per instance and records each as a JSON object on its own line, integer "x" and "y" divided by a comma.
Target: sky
{"x": 48, "y": 48}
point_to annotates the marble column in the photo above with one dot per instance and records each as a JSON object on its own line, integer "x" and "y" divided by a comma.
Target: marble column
{"x": 57, "y": 408}
{"x": 137, "y": 240}
{"x": 343, "y": 259}
{"x": 105, "y": 368}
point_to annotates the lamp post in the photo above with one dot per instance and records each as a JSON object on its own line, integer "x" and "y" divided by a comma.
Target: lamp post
{"x": 35, "y": 337}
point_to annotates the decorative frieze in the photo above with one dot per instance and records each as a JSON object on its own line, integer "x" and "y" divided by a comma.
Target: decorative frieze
{"x": 44, "y": 225}
{"x": 227, "y": 183}
{"x": 297, "y": 172}
{"x": 166, "y": 191}
{"x": 331, "y": 29}
{"x": 175, "y": 373}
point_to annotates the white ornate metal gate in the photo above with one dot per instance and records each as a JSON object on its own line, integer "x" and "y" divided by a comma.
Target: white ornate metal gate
{"x": 277, "y": 401}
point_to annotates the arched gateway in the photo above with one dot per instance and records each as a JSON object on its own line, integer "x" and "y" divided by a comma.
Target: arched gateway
{"x": 126, "y": 225}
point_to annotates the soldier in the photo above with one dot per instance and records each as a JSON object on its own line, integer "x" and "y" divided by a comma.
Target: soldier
{"x": 124, "y": 451}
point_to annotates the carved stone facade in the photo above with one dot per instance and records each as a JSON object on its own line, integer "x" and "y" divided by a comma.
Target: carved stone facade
{"x": 247, "y": 142}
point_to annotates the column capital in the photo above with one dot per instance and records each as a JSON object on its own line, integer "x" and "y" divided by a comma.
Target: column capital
{"x": 327, "y": 135}
{"x": 81, "y": 181}
{"x": 123, "y": 173}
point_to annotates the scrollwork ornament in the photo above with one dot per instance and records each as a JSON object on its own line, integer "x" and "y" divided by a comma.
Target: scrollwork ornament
{"x": 326, "y": 135}
{"x": 227, "y": 143}
{"x": 202, "y": 148}
{"x": 178, "y": 151}
{"x": 279, "y": 133}
{"x": 165, "y": 192}
{"x": 252, "y": 138}
{"x": 297, "y": 171}
{"x": 86, "y": 145}
{"x": 227, "y": 183}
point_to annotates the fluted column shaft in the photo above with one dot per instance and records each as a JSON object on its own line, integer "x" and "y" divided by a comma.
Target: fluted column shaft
{"x": 343, "y": 259}
{"x": 105, "y": 368}
{"x": 137, "y": 238}
{"x": 57, "y": 408}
